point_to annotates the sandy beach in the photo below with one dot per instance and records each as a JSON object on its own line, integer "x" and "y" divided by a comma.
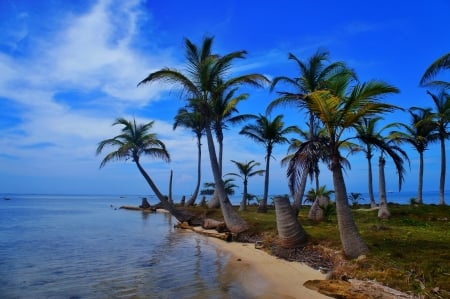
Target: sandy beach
{"x": 267, "y": 276}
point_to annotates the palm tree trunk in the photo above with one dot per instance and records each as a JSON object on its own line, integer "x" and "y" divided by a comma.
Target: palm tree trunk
{"x": 263, "y": 204}
{"x": 233, "y": 221}
{"x": 170, "y": 187}
{"x": 383, "y": 211}
{"x": 373, "y": 204}
{"x": 214, "y": 202}
{"x": 243, "y": 205}
{"x": 191, "y": 201}
{"x": 420, "y": 183}
{"x": 298, "y": 196}
{"x": 181, "y": 216}
{"x": 351, "y": 240}
{"x": 442, "y": 178}
{"x": 290, "y": 232}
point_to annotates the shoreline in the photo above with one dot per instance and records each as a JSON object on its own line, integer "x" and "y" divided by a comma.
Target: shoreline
{"x": 280, "y": 278}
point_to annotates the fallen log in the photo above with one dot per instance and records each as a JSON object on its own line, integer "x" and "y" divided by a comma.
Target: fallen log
{"x": 133, "y": 208}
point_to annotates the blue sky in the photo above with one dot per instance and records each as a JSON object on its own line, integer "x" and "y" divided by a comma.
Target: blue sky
{"x": 69, "y": 68}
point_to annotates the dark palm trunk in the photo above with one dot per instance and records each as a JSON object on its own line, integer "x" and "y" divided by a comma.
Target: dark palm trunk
{"x": 370, "y": 181}
{"x": 420, "y": 183}
{"x": 170, "y": 187}
{"x": 243, "y": 205}
{"x": 290, "y": 232}
{"x": 442, "y": 178}
{"x": 383, "y": 212}
{"x": 233, "y": 221}
{"x": 191, "y": 201}
{"x": 351, "y": 240}
{"x": 263, "y": 204}
{"x": 298, "y": 196}
{"x": 214, "y": 202}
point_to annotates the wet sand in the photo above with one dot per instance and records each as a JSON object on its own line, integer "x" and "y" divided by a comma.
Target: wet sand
{"x": 267, "y": 276}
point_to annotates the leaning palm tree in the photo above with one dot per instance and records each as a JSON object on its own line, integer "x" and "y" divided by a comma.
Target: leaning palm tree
{"x": 246, "y": 170}
{"x": 194, "y": 121}
{"x": 440, "y": 64}
{"x": 204, "y": 70}
{"x": 135, "y": 141}
{"x": 418, "y": 134}
{"x": 268, "y": 132}
{"x": 442, "y": 120}
{"x": 339, "y": 109}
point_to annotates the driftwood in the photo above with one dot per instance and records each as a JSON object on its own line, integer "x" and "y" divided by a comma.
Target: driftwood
{"x": 226, "y": 236}
{"x": 133, "y": 208}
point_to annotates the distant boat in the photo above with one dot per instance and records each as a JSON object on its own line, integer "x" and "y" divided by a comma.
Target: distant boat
{"x": 6, "y": 198}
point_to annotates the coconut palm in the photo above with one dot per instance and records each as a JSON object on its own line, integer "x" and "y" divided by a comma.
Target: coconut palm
{"x": 209, "y": 187}
{"x": 314, "y": 74}
{"x": 339, "y": 109}
{"x": 204, "y": 70}
{"x": 389, "y": 147}
{"x": 194, "y": 121}
{"x": 135, "y": 141}
{"x": 418, "y": 134}
{"x": 442, "y": 120}
{"x": 290, "y": 232}
{"x": 268, "y": 132}
{"x": 246, "y": 170}
{"x": 371, "y": 138}
{"x": 440, "y": 64}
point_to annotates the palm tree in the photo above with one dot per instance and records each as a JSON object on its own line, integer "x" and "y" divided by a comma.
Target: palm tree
{"x": 210, "y": 187}
{"x": 320, "y": 200}
{"x": 440, "y": 64}
{"x": 388, "y": 146}
{"x": 442, "y": 120}
{"x": 204, "y": 70}
{"x": 135, "y": 141}
{"x": 314, "y": 74}
{"x": 268, "y": 132}
{"x": 372, "y": 139}
{"x": 339, "y": 111}
{"x": 194, "y": 121}
{"x": 246, "y": 170}
{"x": 290, "y": 232}
{"x": 418, "y": 134}
{"x": 305, "y": 160}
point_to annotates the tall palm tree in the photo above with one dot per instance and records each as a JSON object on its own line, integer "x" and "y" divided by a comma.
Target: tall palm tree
{"x": 372, "y": 139}
{"x": 246, "y": 170}
{"x": 268, "y": 132}
{"x": 204, "y": 70}
{"x": 339, "y": 109}
{"x": 194, "y": 121}
{"x": 314, "y": 74}
{"x": 440, "y": 64}
{"x": 442, "y": 120}
{"x": 388, "y": 147}
{"x": 418, "y": 134}
{"x": 135, "y": 141}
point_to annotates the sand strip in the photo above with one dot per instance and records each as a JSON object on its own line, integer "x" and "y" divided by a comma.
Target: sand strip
{"x": 267, "y": 276}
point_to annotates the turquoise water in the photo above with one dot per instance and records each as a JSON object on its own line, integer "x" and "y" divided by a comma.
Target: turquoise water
{"x": 85, "y": 247}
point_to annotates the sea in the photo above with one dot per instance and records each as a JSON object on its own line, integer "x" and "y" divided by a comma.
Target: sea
{"x": 85, "y": 246}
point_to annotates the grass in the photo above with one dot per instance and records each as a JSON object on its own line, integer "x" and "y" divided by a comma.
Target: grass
{"x": 410, "y": 251}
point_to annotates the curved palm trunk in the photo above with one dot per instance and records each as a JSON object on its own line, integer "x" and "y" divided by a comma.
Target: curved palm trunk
{"x": 191, "y": 200}
{"x": 373, "y": 204}
{"x": 351, "y": 240}
{"x": 298, "y": 197}
{"x": 442, "y": 178}
{"x": 263, "y": 204}
{"x": 420, "y": 183}
{"x": 383, "y": 212}
{"x": 233, "y": 221}
{"x": 214, "y": 202}
{"x": 290, "y": 232}
{"x": 170, "y": 187}
{"x": 180, "y": 215}
{"x": 243, "y": 205}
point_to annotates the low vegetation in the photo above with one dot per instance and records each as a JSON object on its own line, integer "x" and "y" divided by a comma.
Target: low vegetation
{"x": 410, "y": 251}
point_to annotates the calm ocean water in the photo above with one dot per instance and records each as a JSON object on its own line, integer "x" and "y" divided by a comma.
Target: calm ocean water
{"x": 84, "y": 247}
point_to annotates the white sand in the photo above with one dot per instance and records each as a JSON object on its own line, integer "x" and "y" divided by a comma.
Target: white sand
{"x": 267, "y": 276}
